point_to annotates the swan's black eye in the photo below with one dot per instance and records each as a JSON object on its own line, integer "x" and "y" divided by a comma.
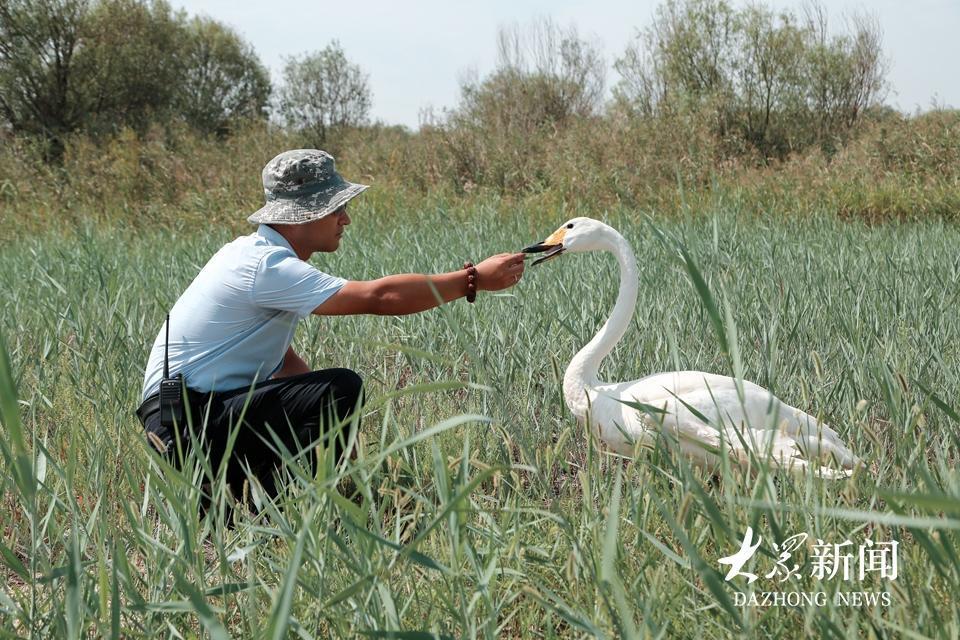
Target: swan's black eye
{"x": 570, "y": 226}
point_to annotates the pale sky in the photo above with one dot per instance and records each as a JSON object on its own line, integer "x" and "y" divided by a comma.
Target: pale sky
{"x": 415, "y": 53}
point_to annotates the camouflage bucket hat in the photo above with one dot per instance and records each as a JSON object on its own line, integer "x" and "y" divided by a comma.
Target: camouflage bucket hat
{"x": 301, "y": 186}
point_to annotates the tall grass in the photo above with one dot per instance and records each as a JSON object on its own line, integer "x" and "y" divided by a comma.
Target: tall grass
{"x": 476, "y": 507}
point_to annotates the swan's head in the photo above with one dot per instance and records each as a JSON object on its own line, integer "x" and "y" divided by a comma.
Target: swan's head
{"x": 576, "y": 234}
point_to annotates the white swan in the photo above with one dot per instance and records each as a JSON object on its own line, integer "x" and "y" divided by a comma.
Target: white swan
{"x": 704, "y": 413}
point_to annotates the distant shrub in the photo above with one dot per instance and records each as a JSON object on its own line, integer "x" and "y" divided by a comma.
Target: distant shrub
{"x": 546, "y": 79}
{"x": 777, "y": 82}
{"x": 545, "y": 76}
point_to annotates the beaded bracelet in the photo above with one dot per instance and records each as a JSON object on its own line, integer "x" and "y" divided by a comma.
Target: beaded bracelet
{"x": 471, "y": 281}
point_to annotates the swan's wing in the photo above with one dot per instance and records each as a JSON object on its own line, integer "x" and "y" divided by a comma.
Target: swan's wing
{"x": 708, "y": 416}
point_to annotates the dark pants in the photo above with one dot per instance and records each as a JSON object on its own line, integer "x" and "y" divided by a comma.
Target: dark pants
{"x": 288, "y": 413}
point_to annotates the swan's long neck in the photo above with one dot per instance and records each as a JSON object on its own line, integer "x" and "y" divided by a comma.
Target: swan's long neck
{"x": 582, "y": 371}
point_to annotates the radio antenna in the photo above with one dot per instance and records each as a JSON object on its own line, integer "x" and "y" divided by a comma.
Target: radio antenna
{"x": 166, "y": 351}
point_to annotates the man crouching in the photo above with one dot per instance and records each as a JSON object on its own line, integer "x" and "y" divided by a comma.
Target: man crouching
{"x": 230, "y": 332}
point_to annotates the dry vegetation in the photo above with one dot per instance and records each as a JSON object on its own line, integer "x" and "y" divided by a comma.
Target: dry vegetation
{"x": 896, "y": 167}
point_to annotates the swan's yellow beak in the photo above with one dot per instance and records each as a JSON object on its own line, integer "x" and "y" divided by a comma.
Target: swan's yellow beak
{"x": 553, "y": 246}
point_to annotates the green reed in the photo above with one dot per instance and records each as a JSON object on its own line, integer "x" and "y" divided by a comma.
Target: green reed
{"x": 476, "y": 506}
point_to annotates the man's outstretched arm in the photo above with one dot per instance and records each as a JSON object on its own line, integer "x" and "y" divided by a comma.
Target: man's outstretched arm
{"x": 413, "y": 292}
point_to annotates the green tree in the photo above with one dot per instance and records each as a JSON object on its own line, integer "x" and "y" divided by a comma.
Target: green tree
{"x": 323, "y": 91}
{"x": 42, "y": 82}
{"x": 73, "y": 65}
{"x": 765, "y": 106}
{"x": 221, "y": 78}
{"x": 133, "y": 51}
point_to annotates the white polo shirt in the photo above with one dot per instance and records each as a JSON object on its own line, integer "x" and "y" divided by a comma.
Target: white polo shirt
{"x": 234, "y": 323}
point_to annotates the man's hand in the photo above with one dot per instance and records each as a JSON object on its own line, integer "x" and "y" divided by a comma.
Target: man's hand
{"x": 500, "y": 271}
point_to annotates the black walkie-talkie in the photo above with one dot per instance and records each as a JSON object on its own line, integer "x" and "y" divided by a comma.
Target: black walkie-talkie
{"x": 171, "y": 389}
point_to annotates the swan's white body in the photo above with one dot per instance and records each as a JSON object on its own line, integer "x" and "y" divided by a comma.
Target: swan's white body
{"x": 739, "y": 422}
